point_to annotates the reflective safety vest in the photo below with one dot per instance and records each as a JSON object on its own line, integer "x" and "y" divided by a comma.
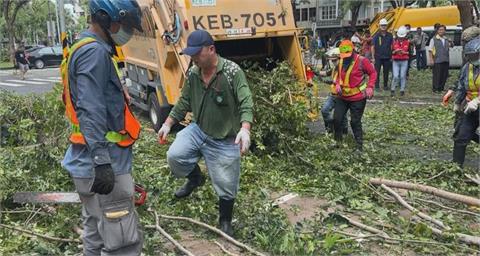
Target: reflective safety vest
{"x": 345, "y": 85}
{"x": 124, "y": 137}
{"x": 473, "y": 84}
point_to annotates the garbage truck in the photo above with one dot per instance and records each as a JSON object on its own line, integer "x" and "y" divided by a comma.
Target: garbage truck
{"x": 254, "y": 30}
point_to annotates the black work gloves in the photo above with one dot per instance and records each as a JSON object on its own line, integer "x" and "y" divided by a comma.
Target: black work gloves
{"x": 104, "y": 179}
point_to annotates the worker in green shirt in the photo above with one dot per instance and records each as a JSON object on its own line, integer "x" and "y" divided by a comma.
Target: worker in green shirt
{"x": 217, "y": 93}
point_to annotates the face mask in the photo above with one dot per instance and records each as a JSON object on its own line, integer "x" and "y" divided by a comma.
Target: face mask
{"x": 122, "y": 36}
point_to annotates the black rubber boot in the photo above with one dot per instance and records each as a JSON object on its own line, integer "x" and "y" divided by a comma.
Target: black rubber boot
{"x": 392, "y": 93}
{"x": 195, "y": 179}
{"x": 459, "y": 154}
{"x": 225, "y": 216}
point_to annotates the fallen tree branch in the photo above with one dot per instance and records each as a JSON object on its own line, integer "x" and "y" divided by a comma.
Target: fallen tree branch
{"x": 448, "y": 208}
{"x": 468, "y": 239}
{"x": 66, "y": 240}
{"x": 168, "y": 236}
{"x": 437, "y": 175}
{"x": 363, "y": 226}
{"x": 407, "y": 240}
{"x": 427, "y": 189}
{"x": 216, "y": 230}
{"x": 412, "y": 209}
{"x": 475, "y": 180}
{"x": 224, "y": 249}
{"x": 366, "y": 185}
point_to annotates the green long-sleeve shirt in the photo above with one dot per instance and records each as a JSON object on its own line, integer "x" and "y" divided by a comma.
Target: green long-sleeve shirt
{"x": 219, "y": 108}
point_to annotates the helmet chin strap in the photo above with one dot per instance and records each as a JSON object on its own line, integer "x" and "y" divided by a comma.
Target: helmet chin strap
{"x": 109, "y": 38}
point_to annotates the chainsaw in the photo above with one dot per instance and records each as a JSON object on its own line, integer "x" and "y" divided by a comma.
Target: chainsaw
{"x": 67, "y": 197}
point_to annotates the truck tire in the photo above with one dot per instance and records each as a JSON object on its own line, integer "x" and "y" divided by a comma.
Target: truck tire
{"x": 157, "y": 114}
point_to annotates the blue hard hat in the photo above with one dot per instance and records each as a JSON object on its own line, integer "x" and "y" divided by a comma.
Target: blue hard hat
{"x": 196, "y": 40}
{"x": 126, "y": 12}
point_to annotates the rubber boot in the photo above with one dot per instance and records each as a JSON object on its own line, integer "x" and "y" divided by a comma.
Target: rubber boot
{"x": 225, "y": 215}
{"x": 459, "y": 154}
{"x": 392, "y": 93}
{"x": 194, "y": 179}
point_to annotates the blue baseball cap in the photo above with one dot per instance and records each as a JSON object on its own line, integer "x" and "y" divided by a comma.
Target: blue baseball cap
{"x": 196, "y": 40}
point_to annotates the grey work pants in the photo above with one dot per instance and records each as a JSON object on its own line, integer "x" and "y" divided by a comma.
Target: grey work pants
{"x": 110, "y": 222}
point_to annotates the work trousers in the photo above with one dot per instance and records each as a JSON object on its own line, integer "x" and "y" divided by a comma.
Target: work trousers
{"x": 356, "y": 112}
{"x": 399, "y": 71}
{"x": 440, "y": 75}
{"x": 421, "y": 59}
{"x": 327, "y": 114}
{"x": 387, "y": 65}
{"x": 222, "y": 158}
{"x": 466, "y": 131}
{"x": 103, "y": 232}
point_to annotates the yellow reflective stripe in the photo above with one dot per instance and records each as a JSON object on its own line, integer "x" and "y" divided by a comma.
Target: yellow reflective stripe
{"x": 115, "y": 137}
{"x": 111, "y": 136}
{"x": 363, "y": 87}
{"x": 473, "y": 86}
{"x": 115, "y": 64}
{"x": 75, "y": 128}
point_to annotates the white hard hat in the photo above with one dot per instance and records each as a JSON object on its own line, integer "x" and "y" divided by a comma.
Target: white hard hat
{"x": 402, "y": 31}
{"x": 383, "y": 22}
{"x": 333, "y": 53}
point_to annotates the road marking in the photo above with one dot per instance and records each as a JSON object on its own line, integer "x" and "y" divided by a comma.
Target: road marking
{"x": 26, "y": 82}
{"x": 12, "y": 85}
{"x": 55, "y": 77}
{"x": 46, "y": 80}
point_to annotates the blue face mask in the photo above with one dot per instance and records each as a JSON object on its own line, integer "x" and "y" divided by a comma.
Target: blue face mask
{"x": 122, "y": 36}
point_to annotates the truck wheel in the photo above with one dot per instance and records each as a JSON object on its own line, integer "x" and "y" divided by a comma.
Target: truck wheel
{"x": 157, "y": 114}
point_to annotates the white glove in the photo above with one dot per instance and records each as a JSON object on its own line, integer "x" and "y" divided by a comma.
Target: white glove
{"x": 243, "y": 137}
{"x": 472, "y": 105}
{"x": 163, "y": 132}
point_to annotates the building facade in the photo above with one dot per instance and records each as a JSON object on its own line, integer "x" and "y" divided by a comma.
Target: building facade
{"x": 327, "y": 17}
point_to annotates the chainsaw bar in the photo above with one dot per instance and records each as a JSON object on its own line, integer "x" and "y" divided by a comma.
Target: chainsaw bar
{"x": 46, "y": 197}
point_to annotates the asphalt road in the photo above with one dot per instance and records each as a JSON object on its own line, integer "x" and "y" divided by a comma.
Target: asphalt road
{"x": 37, "y": 80}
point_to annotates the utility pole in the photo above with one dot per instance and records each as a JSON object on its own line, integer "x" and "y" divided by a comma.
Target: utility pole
{"x": 58, "y": 22}
{"x": 49, "y": 25}
{"x": 63, "y": 30}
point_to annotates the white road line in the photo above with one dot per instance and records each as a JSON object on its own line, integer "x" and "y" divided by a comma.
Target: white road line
{"x": 45, "y": 80}
{"x": 55, "y": 78}
{"x": 26, "y": 82}
{"x": 12, "y": 85}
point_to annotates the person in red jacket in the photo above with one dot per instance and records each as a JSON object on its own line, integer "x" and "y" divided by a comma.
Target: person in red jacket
{"x": 352, "y": 91}
{"x": 400, "y": 56}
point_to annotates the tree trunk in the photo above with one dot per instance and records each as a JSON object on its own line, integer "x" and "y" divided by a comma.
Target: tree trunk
{"x": 10, "y": 9}
{"x": 355, "y": 10}
{"x": 11, "y": 42}
{"x": 466, "y": 15}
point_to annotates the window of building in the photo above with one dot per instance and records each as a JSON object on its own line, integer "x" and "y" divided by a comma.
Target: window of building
{"x": 297, "y": 15}
{"x": 312, "y": 12}
{"x": 304, "y": 14}
{"x": 327, "y": 12}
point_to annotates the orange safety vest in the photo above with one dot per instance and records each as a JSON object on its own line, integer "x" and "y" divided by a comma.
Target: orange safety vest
{"x": 125, "y": 137}
{"x": 473, "y": 84}
{"x": 345, "y": 85}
